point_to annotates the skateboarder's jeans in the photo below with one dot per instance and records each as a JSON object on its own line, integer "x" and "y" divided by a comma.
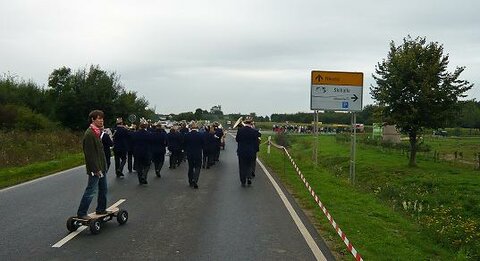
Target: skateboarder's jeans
{"x": 93, "y": 181}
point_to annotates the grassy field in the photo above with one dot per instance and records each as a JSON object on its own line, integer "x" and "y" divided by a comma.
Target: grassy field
{"x": 16, "y": 175}
{"x": 466, "y": 148}
{"x": 431, "y": 212}
{"x": 20, "y": 148}
{"x": 28, "y": 155}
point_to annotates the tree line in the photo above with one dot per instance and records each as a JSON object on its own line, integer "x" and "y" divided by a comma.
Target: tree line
{"x": 468, "y": 116}
{"x": 67, "y": 100}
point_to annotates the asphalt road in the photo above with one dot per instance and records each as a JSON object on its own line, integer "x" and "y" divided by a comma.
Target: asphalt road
{"x": 168, "y": 220}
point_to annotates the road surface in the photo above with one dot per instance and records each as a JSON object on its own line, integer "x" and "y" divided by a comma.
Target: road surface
{"x": 168, "y": 220}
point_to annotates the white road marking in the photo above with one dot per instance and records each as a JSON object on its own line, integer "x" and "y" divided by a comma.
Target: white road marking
{"x": 69, "y": 236}
{"x": 305, "y": 233}
{"x": 81, "y": 228}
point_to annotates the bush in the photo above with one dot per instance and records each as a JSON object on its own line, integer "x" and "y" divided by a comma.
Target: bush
{"x": 21, "y": 148}
{"x": 22, "y": 118}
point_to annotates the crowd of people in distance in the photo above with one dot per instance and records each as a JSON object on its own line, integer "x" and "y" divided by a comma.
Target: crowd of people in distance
{"x": 138, "y": 148}
{"x": 292, "y": 128}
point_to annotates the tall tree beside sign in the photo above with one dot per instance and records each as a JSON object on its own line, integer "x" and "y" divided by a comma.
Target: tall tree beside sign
{"x": 415, "y": 89}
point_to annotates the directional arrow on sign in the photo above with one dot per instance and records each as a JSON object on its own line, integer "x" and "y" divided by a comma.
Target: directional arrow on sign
{"x": 319, "y": 78}
{"x": 323, "y": 89}
{"x": 354, "y": 98}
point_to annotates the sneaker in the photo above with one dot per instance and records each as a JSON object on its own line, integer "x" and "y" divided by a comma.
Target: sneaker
{"x": 102, "y": 212}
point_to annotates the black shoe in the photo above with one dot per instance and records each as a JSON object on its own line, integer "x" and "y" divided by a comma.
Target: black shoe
{"x": 249, "y": 181}
{"x": 195, "y": 186}
{"x": 253, "y": 175}
{"x": 158, "y": 174}
{"x": 102, "y": 212}
{"x": 191, "y": 184}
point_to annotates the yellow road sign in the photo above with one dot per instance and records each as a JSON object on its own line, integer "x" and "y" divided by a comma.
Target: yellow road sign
{"x": 337, "y": 78}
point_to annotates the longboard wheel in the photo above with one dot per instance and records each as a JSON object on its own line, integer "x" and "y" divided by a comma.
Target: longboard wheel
{"x": 122, "y": 216}
{"x": 72, "y": 224}
{"x": 95, "y": 226}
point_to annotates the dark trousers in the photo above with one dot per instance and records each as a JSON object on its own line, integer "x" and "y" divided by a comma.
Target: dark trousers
{"x": 246, "y": 165}
{"x": 194, "y": 165}
{"x": 210, "y": 158}
{"x": 93, "y": 183}
{"x": 120, "y": 160}
{"x": 130, "y": 161}
{"x": 204, "y": 158}
{"x": 109, "y": 162}
{"x": 143, "y": 166}
{"x": 217, "y": 152}
{"x": 158, "y": 160}
{"x": 175, "y": 157}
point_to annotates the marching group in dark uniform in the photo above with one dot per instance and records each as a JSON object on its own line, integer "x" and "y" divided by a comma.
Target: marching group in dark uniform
{"x": 138, "y": 148}
{"x": 200, "y": 146}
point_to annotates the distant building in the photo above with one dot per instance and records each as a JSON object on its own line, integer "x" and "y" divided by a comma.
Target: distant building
{"x": 216, "y": 109}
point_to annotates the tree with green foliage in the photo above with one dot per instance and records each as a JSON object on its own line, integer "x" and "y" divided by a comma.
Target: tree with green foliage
{"x": 77, "y": 93}
{"x": 415, "y": 89}
{"x": 470, "y": 115}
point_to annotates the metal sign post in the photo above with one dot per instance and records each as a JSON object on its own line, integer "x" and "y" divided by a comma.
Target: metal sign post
{"x": 337, "y": 91}
{"x": 315, "y": 129}
{"x": 353, "y": 147}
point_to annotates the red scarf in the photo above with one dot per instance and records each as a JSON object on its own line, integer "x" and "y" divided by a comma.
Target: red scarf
{"x": 95, "y": 130}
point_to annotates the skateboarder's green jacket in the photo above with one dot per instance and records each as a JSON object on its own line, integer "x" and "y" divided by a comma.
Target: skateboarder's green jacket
{"x": 93, "y": 150}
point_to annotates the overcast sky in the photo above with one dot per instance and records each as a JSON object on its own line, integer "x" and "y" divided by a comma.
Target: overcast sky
{"x": 245, "y": 55}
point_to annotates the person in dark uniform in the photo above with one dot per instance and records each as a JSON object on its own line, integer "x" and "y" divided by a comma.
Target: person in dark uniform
{"x": 107, "y": 146}
{"x": 204, "y": 131}
{"x": 210, "y": 146}
{"x": 159, "y": 142}
{"x": 141, "y": 151}
{"x": 130, "y": 158}
{"x": 120, "y": 147}
{"x": 218, "y": 140}
{"x": 247, "y": 139}
{"x": 183, "y": 131}
{"x": 173, "y": 138}
{"x": 194, "y": 144}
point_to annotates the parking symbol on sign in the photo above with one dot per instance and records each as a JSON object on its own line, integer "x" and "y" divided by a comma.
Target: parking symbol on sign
{"x": 345, "y": 105}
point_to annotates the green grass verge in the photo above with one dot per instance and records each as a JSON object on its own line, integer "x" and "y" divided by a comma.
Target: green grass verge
{"x": 381, "y": 215}
{"x": 17, "y": 175}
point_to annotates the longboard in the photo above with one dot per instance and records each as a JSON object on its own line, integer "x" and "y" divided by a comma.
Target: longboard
{"x": 96, "y": 220}
{"x": 94, "y": 215}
